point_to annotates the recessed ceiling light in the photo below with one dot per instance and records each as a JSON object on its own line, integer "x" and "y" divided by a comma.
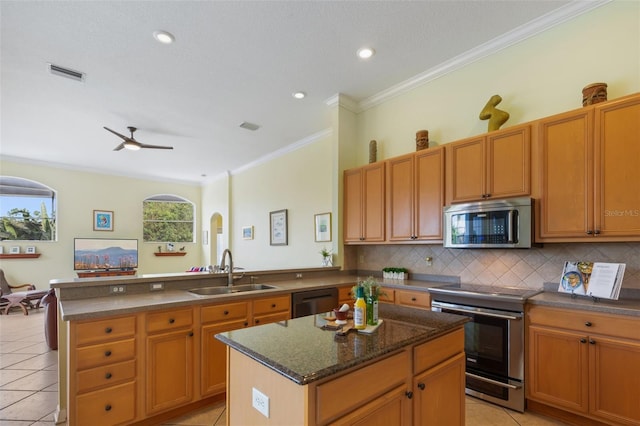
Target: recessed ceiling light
{"x": 366, "y": 53}
{"x": 298, "y": 95}
{"x": 164, "y": 37}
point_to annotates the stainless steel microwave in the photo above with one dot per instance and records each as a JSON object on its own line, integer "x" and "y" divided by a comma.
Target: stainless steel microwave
{"x": 504, "y": 223}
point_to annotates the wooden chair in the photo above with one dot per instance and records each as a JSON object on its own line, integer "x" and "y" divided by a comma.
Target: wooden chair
{"x": 27, "y": 298}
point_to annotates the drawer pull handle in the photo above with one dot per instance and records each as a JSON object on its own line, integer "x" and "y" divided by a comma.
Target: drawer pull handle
{"x": 107, "y": 353}
{"x": 273, "y": 305}
{"x": 587, "y": 324}
{"x": 591, "y": 341}
{"x": 583, "y": 340}
{"x": 226, "y": 312}
{"x": 107, "y": 376}
{"x": 107, "y": 407}
{"x": 246, "y": 323}
{"x": 108, "y": 330}
{"x": 421, "y": 386}
{"x": 589, "y": 232}
{"x": 413, "y": 299}
{"x": 191, "y": 334}
{"x": 409, "y": 394}
{"x": 171, "y": 320}
{"x": 257, "y": 321}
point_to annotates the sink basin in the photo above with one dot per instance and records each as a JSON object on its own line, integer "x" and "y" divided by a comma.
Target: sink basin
{"x": 212, "y": 291}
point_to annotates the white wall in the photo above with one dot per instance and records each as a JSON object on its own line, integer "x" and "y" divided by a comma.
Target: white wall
{"x": 79, "y": 193}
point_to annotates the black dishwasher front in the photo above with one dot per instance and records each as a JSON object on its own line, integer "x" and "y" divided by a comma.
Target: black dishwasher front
{"x": 312, "y": 302}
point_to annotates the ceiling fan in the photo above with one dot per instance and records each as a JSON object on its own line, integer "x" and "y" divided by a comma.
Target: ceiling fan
{"x": 131, "y": 143}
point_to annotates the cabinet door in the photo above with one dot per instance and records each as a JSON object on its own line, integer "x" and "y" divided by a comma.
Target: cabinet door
{"x": 353, "y": 205}
{"x": 429, "y": 194}
{"x": 558, "y": 368}
{"x": 466, "y": 170}
{"x": 566, "y": 144}
{"x": 614, "y": 369}
{"x": 392, "y": 408}
{"x": 617, "y": 168}
{"x": 439, "y": 394}
{"x": 509, "y": 163}
{"x": 213, "y": 360}
{"x": 400, "y": 198}
{"x": 373, "y": 203}
{"x": 169, "y": 370}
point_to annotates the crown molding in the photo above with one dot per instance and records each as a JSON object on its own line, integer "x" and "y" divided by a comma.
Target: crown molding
{"x": 528, "y": 30}
{"x": 342, "y": 100}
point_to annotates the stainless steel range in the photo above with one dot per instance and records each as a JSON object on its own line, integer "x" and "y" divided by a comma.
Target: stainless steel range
{"x": 494, "y": 338}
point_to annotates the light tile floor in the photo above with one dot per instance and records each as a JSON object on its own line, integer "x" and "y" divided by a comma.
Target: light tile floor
{"x": 29, "y": 391}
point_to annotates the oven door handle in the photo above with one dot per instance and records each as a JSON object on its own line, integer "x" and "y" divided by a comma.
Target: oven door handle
{"x": 475, "y": 312}
{"x": 493, "y": 382}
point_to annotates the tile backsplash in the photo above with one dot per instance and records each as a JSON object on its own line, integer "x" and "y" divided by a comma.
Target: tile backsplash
{"x": 529, "y": 268}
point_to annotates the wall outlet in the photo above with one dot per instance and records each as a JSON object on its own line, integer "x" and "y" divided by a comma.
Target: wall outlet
{"x": 298, "y": 276}
{"x": 156, "y": 286}
{"x": 260, "y": 402}
{"x": 117, "y": 289}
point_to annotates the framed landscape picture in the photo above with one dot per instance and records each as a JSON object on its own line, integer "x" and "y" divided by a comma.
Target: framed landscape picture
{"x": 278, "y": 227}
{"x": 323, "y": 227}
{"x": 247, "y": 232}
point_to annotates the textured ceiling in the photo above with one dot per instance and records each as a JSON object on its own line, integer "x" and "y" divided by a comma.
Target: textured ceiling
{"x": 232, "y": 61}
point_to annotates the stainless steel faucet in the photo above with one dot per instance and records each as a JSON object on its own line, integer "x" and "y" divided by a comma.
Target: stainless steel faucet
{"x": 223, "y": 266}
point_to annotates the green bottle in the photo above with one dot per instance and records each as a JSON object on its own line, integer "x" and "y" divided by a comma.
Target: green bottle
{"x": 372, "y": 306}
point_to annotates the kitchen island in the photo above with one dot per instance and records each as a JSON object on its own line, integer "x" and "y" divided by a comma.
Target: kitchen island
{"x": 298, "y": 372}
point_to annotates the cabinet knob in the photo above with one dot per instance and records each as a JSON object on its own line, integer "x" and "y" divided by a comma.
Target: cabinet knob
{"x": 171, "y": 320}
{"x": 413, "y": 299}
{"x": 421, "y": 386}
{"x": 592, "y": 342}
{"x": 107, "y": 407}
{"x": 273, "y": 305}
{"x": 257, "y": 321}
{"x": 587, "y": 324}
{"x": 108, "y": 330}
{"x": 409, "y": 394}
{"x": 589, "y": 232}
{"x": 191, "y": 334}
{"x": 107, "y": 376}
{"x": 107, "y": 353}
{"x": 226, "y": 312}
{"x": 596, "y": 232}
{"x": 246, "y": 323}
{"x": 583, "y": 340}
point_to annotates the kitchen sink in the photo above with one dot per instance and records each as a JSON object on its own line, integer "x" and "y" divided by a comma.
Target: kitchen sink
{"x": 212, "y": 291}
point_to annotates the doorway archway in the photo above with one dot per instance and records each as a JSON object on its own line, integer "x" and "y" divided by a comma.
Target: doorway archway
{"x": 215, "y": 238}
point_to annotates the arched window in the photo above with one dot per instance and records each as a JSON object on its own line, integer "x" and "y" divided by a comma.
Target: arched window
{"x": 27, "y": 210}
{"x": 168, "y": 218}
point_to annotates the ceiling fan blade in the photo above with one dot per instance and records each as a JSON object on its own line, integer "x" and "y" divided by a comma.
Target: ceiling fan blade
{"x": 123, "y": 137}
{"x": 119, "y": 147}
{"x": 142, "y": 145}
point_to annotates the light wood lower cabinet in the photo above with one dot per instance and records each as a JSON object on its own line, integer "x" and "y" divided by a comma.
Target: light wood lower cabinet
{"x": 170, "y": 370}
{"x": 585, "y": 363}
{"x": 103, "y": 380}
{"x": 421, "y": 384}
{"x": 411, "y": 298}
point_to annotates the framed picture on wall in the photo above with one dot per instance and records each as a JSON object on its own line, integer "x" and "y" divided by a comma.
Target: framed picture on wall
{"x": 278, "y": 227}
{"x": 323, "y": 227}
{"x": 247, "y": 232}
{"x": 30, "y": 250}
{"x": 14, "y": 250}
{"x": 102, "y": 220}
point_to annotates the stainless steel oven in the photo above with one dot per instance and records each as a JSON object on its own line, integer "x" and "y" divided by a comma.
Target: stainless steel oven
{"x": 494, "y": 339}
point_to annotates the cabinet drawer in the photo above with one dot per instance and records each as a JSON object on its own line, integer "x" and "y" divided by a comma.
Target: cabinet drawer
{"x": 339, "y": 396}
{"x": 105, "y": 353}
{"x": 389, "y": 295}
{"x": 585, "y": 321}
{"x": 416, "y": 299}
{"x": 272, "y": 304}
{"x": 226, "y": 312}
{"x": 345, "y": 295}
{"x": 101, "y": 331}
{"x": 112, "y": 406}
{"x": 107, "y": 375}
{"x": 169, "y": 320}
{"x": 436, "y": 351}
{"x": 269, "y": 318}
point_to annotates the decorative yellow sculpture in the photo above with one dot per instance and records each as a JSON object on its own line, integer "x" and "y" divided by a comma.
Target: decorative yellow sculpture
{"x": 495, "y": 116}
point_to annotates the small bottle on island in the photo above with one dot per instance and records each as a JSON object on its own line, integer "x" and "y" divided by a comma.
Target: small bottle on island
{"x": 360, "y": 310}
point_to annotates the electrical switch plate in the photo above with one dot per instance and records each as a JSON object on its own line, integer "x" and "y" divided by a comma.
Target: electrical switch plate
{"x": 156, "y": 286}
{"x": 260, "y": 402}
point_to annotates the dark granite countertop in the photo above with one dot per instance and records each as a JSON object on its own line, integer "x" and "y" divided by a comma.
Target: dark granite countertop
{"x": 625, "y": 306}
{"x": 302, "y": 351}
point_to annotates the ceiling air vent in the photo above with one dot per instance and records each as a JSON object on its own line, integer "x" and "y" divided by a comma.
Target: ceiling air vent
{"x": 66, "y": 72}
{"x": 249, "y": 126}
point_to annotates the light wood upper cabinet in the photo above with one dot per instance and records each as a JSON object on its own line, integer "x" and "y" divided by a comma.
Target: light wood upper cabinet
{"x": 590, "y": 169}
{"x": 493, "y": 166}
{"x": 364, "y": 203}
{"x": 415, "y": 196}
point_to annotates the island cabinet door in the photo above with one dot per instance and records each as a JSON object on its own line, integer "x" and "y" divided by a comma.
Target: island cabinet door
{"x": 213, "y": 369}
{"x": 438, "y": 394}
{"x": 392, "y": 408}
